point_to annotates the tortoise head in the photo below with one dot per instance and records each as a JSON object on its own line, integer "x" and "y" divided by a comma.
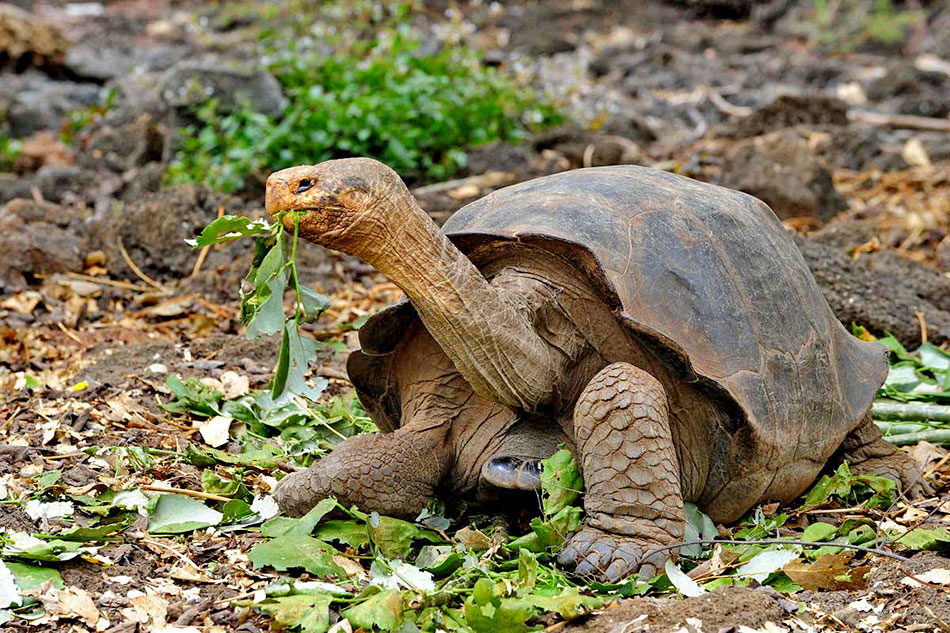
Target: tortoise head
{"x": 351, "y": 204}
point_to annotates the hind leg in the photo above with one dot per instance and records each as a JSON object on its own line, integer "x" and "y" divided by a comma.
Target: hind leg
{"x": 394, "y": 474}
{"x": 868, "y": 452}
{"x": 633, "y": 500}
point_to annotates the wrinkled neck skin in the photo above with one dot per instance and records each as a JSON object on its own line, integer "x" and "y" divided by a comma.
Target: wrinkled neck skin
{"x": 489, "y": 337}
{"x": 438, "y": 403}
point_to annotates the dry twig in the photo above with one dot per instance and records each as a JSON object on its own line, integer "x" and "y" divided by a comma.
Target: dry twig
{"x": 135, "y": 269}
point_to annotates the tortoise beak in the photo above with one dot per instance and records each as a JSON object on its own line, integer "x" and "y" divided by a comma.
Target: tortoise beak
{"x": 276, "y": 195}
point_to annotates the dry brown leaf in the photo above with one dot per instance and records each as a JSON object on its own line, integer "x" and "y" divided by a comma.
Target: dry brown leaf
{"x": 22, "y": 302}
{"x": 915, "y": 154}
{"x": 473, "y": 539}
{"x": 70, "y": 602}
{"x": 149, "y": 610}
{"x": 353, "y": 569}
{"x": 721, "y": 559}
{"x": 937, "y": 576}
{"x": 234, "y": 385}
{"x": 830, "y": 571}
{"x": 190, "y": 574}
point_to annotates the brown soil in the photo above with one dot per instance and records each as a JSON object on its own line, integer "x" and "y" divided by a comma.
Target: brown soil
{"x": 722, "y": 609}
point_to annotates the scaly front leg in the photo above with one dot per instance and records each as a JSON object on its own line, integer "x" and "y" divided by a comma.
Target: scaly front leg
{"x": 394, "y": 474}
{"x": 633, "y": 499}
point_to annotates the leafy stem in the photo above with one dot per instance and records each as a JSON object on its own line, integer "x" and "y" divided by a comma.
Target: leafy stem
{"x": 262, "y": 305}
{"x": 292, "y": 263}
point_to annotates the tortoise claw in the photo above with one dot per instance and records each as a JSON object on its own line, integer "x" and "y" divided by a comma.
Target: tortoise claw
{"x": 900, "y": 468}
{"x": 611, "y": 558}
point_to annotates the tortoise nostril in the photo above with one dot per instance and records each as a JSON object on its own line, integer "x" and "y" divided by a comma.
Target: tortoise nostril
{"x": 305, "y": 185}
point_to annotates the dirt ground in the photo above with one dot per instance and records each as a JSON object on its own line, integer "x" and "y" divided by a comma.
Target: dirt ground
{"x": 101, "y": 300}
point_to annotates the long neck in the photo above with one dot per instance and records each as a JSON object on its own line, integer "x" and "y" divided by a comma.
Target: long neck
{"x": 491, "y": 341}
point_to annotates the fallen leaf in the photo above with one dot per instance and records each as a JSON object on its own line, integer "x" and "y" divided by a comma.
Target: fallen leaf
{"x": 937, "y": 576}
{"x": 402, "y": 576}
{"x": 190, "y": 574}
{"x": 234, "y": 385}
{"x": 683, "y": 583}
{"x": 71, "y": 602}
{"x": 150, "y": 610}
{"x": 47, "y": 510}
{"x": 9, "y": 593}
{"x": 22, "y": 302}
{"x": 852, "y": 93}
{"x": 215, "y": 432}
{"x": 473, "y": 539}
{"x": 351, "y": 567}
{"x": 767, "y": 562}
{"x": 830, "y": 571}
{"x": 915, "y": 154}
{"x": 861, "y": 605}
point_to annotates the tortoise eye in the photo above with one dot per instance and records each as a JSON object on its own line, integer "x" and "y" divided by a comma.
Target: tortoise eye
{"x": 304, "y": 185}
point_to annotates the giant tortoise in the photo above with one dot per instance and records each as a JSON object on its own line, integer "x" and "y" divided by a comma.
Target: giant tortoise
{"x": 665, "y": 330}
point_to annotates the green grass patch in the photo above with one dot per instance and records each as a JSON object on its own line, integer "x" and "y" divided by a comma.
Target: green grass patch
{"x": 848, "y": 25}
{"x": 384, "y": 99}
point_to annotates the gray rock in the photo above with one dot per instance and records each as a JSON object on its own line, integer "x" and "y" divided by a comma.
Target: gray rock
{"x": 909, "y": 90}
{"x": 138, "y": 94}
{"x": 104, "y": 58}
{"x": 37, "y": 239}
{"x": 233, "y": 83}
{"x": 28, "y": 40}
{"x": 119, "y": 144}
{"x": 33, "y": 102}
{"x": 60, "y": 183}
{"x": 153, "y": 229}
{"x": 792, "y": 110}
{"x": 943, "y": 254}
{"x": 142, "y": 181}
{"x": 14, "y": 186}
{"x": 781, "y": 170}
{"x": 881, "y": 291}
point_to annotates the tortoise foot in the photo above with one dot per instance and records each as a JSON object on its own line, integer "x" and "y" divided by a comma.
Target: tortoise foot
{"x": 900, "y": 468}
{"x": 610, "y": 557}
{"x": 868, "y": 453}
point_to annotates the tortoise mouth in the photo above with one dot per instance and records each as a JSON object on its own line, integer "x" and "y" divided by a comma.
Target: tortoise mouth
{"x": 316, "y": 209}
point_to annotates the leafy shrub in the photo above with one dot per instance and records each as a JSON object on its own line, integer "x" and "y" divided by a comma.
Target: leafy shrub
{"x": 81, "y": 118}
{"x": 850, "y": 24}
{"x": 9, "y": 151}
{"x": 417, "y": 113}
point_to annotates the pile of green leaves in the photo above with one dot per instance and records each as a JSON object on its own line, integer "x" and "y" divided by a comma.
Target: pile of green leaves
{"x": 388, "y": 574}
{"x": 307, "y": 430}
{"x": 923, "y": 375}
{"x": 473, "y": 581}
{"x": 417, "y": 112}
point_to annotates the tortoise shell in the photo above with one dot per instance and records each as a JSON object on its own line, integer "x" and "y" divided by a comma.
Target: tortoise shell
{"x": 709, "y": 273}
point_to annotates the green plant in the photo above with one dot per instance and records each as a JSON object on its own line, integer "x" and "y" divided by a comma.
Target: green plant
{"x": 417, "y": 113}
{"x": 273, "y": 270}
{"x": 79, "y": 119}
{"x": 9, "y": 151}
{"x": 848, "y": 24}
